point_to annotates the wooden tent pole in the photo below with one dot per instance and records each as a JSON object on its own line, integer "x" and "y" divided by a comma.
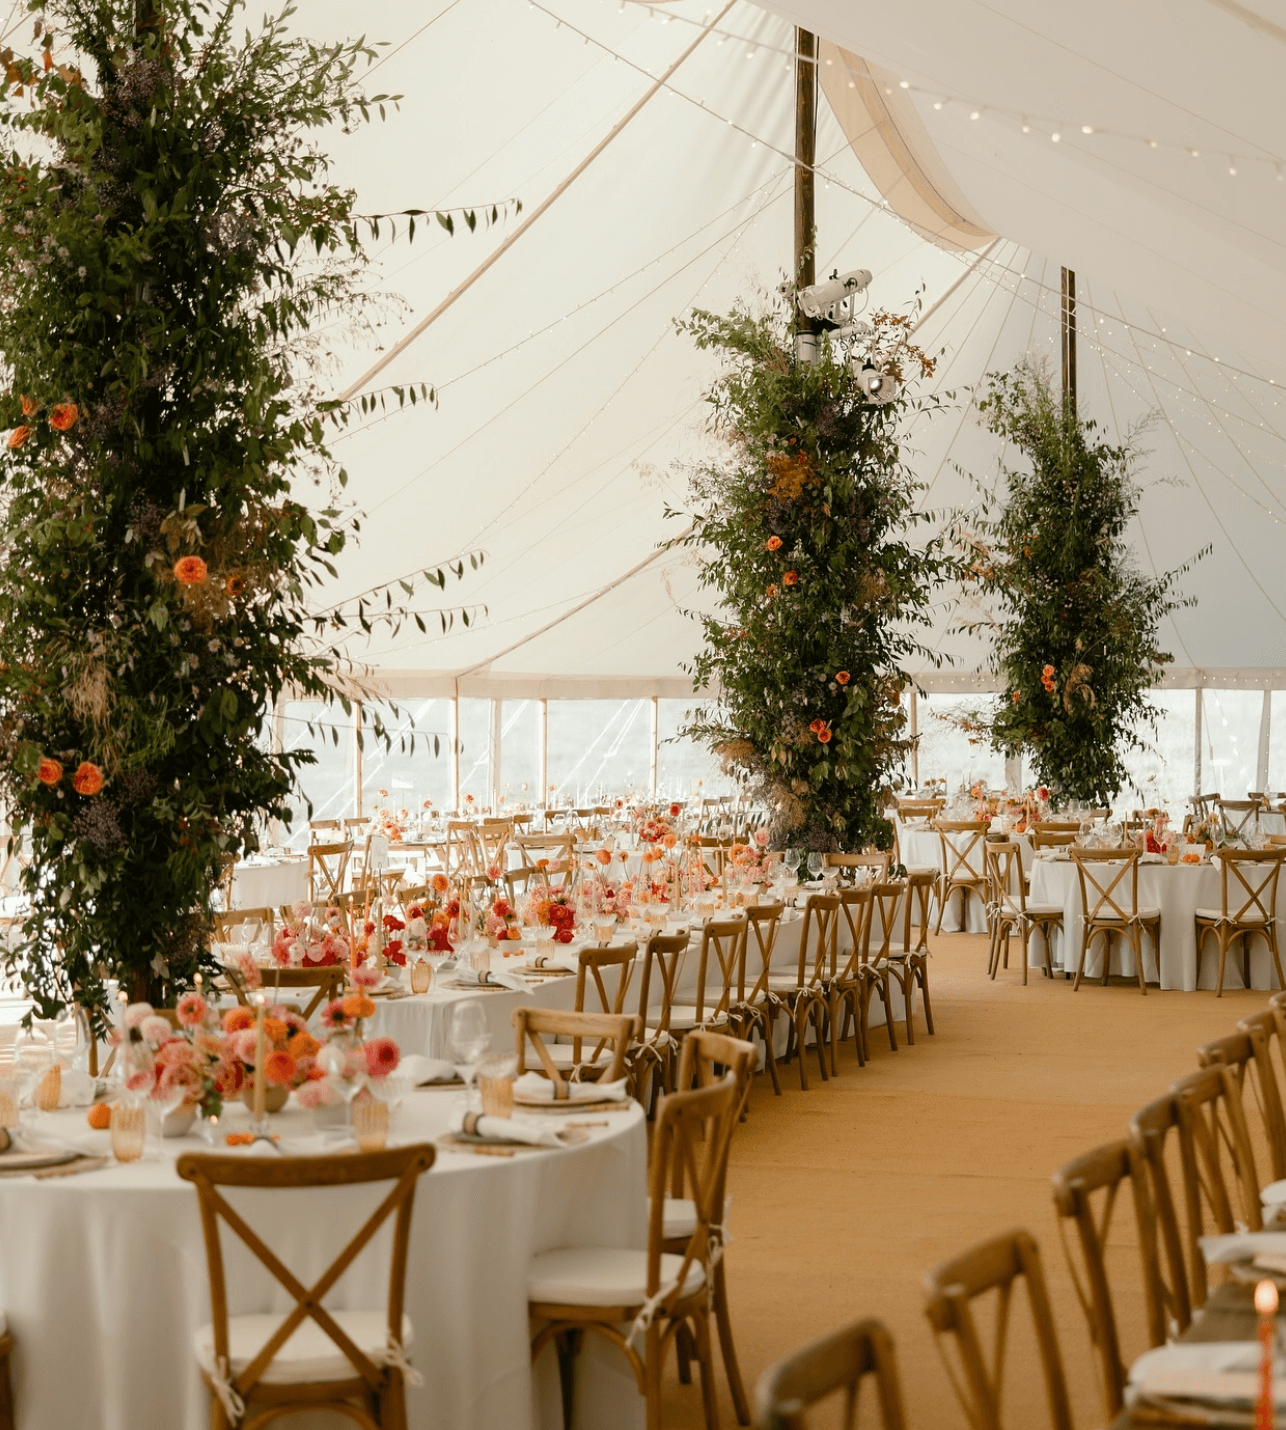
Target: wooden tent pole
{"x": 1069, "y": 337}
{"x": 805, "y": 161}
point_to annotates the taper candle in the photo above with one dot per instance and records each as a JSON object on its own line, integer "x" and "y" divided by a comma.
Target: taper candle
{"x": 1266, "y": 1305}
{"x": 261, "y": 1053}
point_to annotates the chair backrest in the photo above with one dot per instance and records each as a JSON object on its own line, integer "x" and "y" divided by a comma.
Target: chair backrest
{"x": 1109, "y": 880}
{"x": 1058, "y": 826}
{"x": 1003, "y": 859}
{"x": 1248, "y": 1052}
{"x": 882, "y": 920}
{"x": 961, "y": 855}
{"x": 226, "y": 922}
{"x": 321, "y": 831}
{"x": 878, "y": 862}
{"x": 327, "y": 870}
{"x": 919, "y": 811}
{"x": 1238, "y": 814}
{"x": 463, "y": 854}
{"x": 1248, "y": 883}
{"x": 855, "y": 903}
{"x": 328, "y": 981}
{"x": 665, "y": 951}
{"x": 1203, "y": 805}
{"x": 762, "y": 921}
{"x": 401, "y": 1165}
{"x": 608, "y": 1030}
{"x": 825, "y": 1367}
{"x": 952, "y": 1287}
{"x": 494, "y": 837}
{"x": 1150, "y": 1132}
{"x": 1052, "y": 838}
{"x": 819, "y": 939}
{"x": 690, "y": 1143}
{"x": 707, "y": 1056}
{"x": 589, "y": 970}
{"x": 725, "y": 939}
{"x": 1096, "y": 1177}
{"x": 552, "y": 855}
{"x": 920, "y": 884}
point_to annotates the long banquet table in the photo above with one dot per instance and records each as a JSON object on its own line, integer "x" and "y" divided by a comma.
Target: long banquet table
{"x": 1178, "y": 890}
{"x": 103, "y": 1275}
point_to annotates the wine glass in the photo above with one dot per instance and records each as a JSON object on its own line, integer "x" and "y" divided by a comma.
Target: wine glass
{"x": 345, "y": 1067}
{"x": 470, "y": 1038}
{"x": 792, "y": 859}
{"x": 32, "y": 1059}
{"x": 816, "y": 863}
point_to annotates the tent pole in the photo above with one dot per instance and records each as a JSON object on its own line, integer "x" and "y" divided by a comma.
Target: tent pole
{"x": 493, "y": 759}
{"x": 542, "y": 754}
{"x": 425, "y": 323}
{"x": 654, "y": 716}
{"x": 357, "y": 759}
{"x": 915, "y": 739}
{"x": 278, "y": 745}
{"x": 453, "y": 744}
{"x": 1069, "y": 339}
{"x": 1265, "y": 725}
{"x": 1196, "y": 765}
{"x": 806, "y": 329}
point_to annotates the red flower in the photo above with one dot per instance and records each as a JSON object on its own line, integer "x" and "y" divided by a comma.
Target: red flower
{"x": 842, "y": 677}
{"x": 50, "y": 772}
{"x": 393, "y": 952}
{"x": 190, "y": 571}
{"x": 1017, "y": 697}
{"x": 392, "y": 923}
{"x": 675, "y": 811}
{"x": 63, "y": 417}
{"x": 817, "y": 725}
{"x": 1047, "y": 672}
{"x": 563, "y": 936}
{"x": 824, "y": 735}
{"x": 774, "y": 542}
{"x": 88, "y": 778}
{"x": 382, "y": 1056}
{"x": 790, "y": 578}
{"x": 234, "y": 586}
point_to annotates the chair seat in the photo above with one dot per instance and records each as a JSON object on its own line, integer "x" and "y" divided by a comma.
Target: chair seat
{"x": 683, "y": 1018}
{"x": 1042, "y": 911}
{"x": 309, "y": 1355}
{"x": 1140, "y": 915}
{"x": 679, "y": 1218}
{"x": 785, "y": 982}
{"x": 1216, "y": 916}
{"x": 603, "y": 1276}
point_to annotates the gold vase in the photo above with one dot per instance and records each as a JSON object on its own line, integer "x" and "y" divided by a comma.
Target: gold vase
{"x": 274, "y": 1096}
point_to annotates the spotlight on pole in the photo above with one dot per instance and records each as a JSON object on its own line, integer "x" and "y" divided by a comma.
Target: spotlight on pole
{"x": 879, "y": 386}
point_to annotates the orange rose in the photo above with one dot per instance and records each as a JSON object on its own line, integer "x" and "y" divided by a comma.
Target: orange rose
{"x": 790, "y": 578}
{"x": 18, "y": 436}
{"x": 50, "y": 772}
{"x": 774, "y": 542}
{"x": 234, "y": 586}
{"x": 29, "y": 406}
{"x": 237, "y": 1020}
{"x": 772, "y": 590}
{"x": 842, "y": 677}
{"x": 275, "y": 1029}
{"x": 604, "y": 856}
{"x": 190, "y": 571}
{"x": 303, "y": 1045}
{"x": 63, "y": 417}
{"x": 279, "y": 1068}
{"x": 357, "y": 1005}
{"x": 88, "y": 778}
{"x": 1017, "y": 697}
{"x": 1048, "y": 672}
{"x": 817, "y": 725}
{"x": 824, "y": 736}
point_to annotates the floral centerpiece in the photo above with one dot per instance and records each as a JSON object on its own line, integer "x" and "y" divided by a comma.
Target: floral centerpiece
{"x": 159, "y": 1059}
{"x": 343, "y": 1022}
{"x": 655, "y": 826}
{"x": 291, "y": 1057}
{"x": 302, "y": 942}
{"x": 554, "y": 907}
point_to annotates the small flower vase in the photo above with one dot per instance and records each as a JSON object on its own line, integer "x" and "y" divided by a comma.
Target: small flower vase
{"x": 179, "y": 1122}
{"x": 421, "y": 976}
{"x": 480, "y": 957}
{"x": 274, "y": 1096}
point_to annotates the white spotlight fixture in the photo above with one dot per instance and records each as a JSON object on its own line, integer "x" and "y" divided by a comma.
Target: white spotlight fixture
{"x": 833, "y": 302}
{"x": 877, "y": 385}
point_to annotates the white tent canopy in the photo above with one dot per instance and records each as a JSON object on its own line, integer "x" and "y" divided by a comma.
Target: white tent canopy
{"x": 569, "y": 404}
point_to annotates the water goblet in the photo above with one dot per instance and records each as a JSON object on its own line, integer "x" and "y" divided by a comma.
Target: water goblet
{"x": 344, "y": 1064}
{"x": 816, "y": 863}
{"x": 792, "y": 859}
{"x": 470, "y": 1038}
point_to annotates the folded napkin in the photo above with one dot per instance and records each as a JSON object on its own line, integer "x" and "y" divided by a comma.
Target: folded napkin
{"x": 560, "y": 959}
{"x": 1273, "y": 1194}
{"x": 534, "y": 1088}
{"x": 1241, "y": 1246}
{"x": 503, "y": 1129}
{"x": 466, "y": 977}
{"x": 76, "y": 1089}
{"x": 422, "y": 1070}
{"x": 1224, "y": 1372}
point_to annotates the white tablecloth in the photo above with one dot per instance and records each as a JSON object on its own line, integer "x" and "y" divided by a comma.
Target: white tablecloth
{"x": 270, "y": 884}
{"x": 1177, "y": 890}
{"x": 103, "y": 1277}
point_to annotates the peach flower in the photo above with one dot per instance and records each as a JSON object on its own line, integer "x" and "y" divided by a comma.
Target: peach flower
{"x": 63, "y": 417}
{"x": 18, "y": 436}
{"x": 190, "y": 571}
{"x": 50, "y": 772}
{"x": 29, "y": 406}
{"x": 842, "y": 677}
{"x": 791, "y": 578}
{"x": 88, "y": 778}
{"x": 774, "y": 543}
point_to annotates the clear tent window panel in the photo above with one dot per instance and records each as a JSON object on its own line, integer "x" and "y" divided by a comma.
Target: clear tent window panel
{"x": 416, "y": 765}
{"x": 950, "y": 749}
{"x": 328, "y": 783}
{"x": 520, "y": 752}
{"x": 1160, "y": 774}
{"x": 1277, "y": 744}
{"x": 598, "y": 747}
{"x": 684, "y": 767}
{"x": 475, "y": 750}
{"x": 1230, "y": 740}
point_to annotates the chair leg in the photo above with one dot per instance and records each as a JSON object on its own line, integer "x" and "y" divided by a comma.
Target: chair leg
{"x": 731, "y": 1369}
{"x": 682, "y": 1352}
{"x": 1138, "y": 959}
{"x": 652, "y": 1368}
{"x": 770, "y": 1057}
{"x": 567, "y": 1343}
{"x": 943, "y": 896}
{"x": 705, "y": 1359}
{"x": 906, "y": 982}
{"x": 818, "y": 1016}
{"x": 922, "y": 978}
{"x": 1277, "y": 963}
{"x": 887, "y": 999}
{"x": 6, "y": 1386}
{"x": 798, "y": 1023}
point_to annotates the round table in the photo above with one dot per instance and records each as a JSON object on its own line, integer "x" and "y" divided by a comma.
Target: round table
{"x": 1178, "y": 890}
{"x": 103, "y": 1275}
{"x": 921, "y": 847}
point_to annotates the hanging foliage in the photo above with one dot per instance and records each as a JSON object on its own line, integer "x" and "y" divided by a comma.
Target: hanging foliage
{"x": 171, "y": 237}
{"x": 1075, "y": 624}
{"x": 807, "y": 535}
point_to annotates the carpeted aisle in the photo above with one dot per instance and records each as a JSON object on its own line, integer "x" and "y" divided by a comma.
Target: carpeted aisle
{"x": 843, "y": 1196}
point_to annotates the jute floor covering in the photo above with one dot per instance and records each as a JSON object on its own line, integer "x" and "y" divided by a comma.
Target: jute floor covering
{"x": 843, "y": 1196}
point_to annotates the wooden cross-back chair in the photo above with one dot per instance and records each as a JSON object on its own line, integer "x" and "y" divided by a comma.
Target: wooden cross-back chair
{"x": 909, "y": 962}
{"x": 962, "y": 869}
{"x": 552, "y": 855}
{"x": 705, "y": 1059}
{"x": 652, "y": 1065}
{"x": 246, "y": 1361}
{"x": 1052, "y": 838}
{"x": 1220, "y": 1184}
{"x": 751, "y": 1012}
{"x": 1247, "y": 908}
{"x": 1010, "y": 911}
{"x": 327, "y": 983}
{"x": 844, "y": 988}
{"x": 802, "y": 995}
{"x": 462, "y": 855}
{"x": 494, "y": 838}
{"x": 325, "y": 831}
{"x": 1109, "y": 883}
{"x": 951, "y": 1289}
{"x": 608, "y": 1031}
{"x": 657, "y": 1294}
{"x": 714, "y": 856}
{"x": 919, "y": 811}
{"x": 1248, "y": 1053}
{"x": 839, "y": 1362}
{"x": 1238, "y": 815}
{"x": 877, "y": 863}
{"x": 880, "y": 946}
{"x": 1087, "y": 1191}
{"x": 1155, "y": 1135}
{"x": 581, "y": 1061}
{"x": 1202, "y": 806}
{"x": 328, "y": 870}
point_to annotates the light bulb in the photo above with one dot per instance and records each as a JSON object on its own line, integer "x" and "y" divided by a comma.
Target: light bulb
{"x": 1087, "y": 129}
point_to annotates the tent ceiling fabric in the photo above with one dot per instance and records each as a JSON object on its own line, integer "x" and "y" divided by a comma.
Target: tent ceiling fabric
{"x": 570, "y": 409}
